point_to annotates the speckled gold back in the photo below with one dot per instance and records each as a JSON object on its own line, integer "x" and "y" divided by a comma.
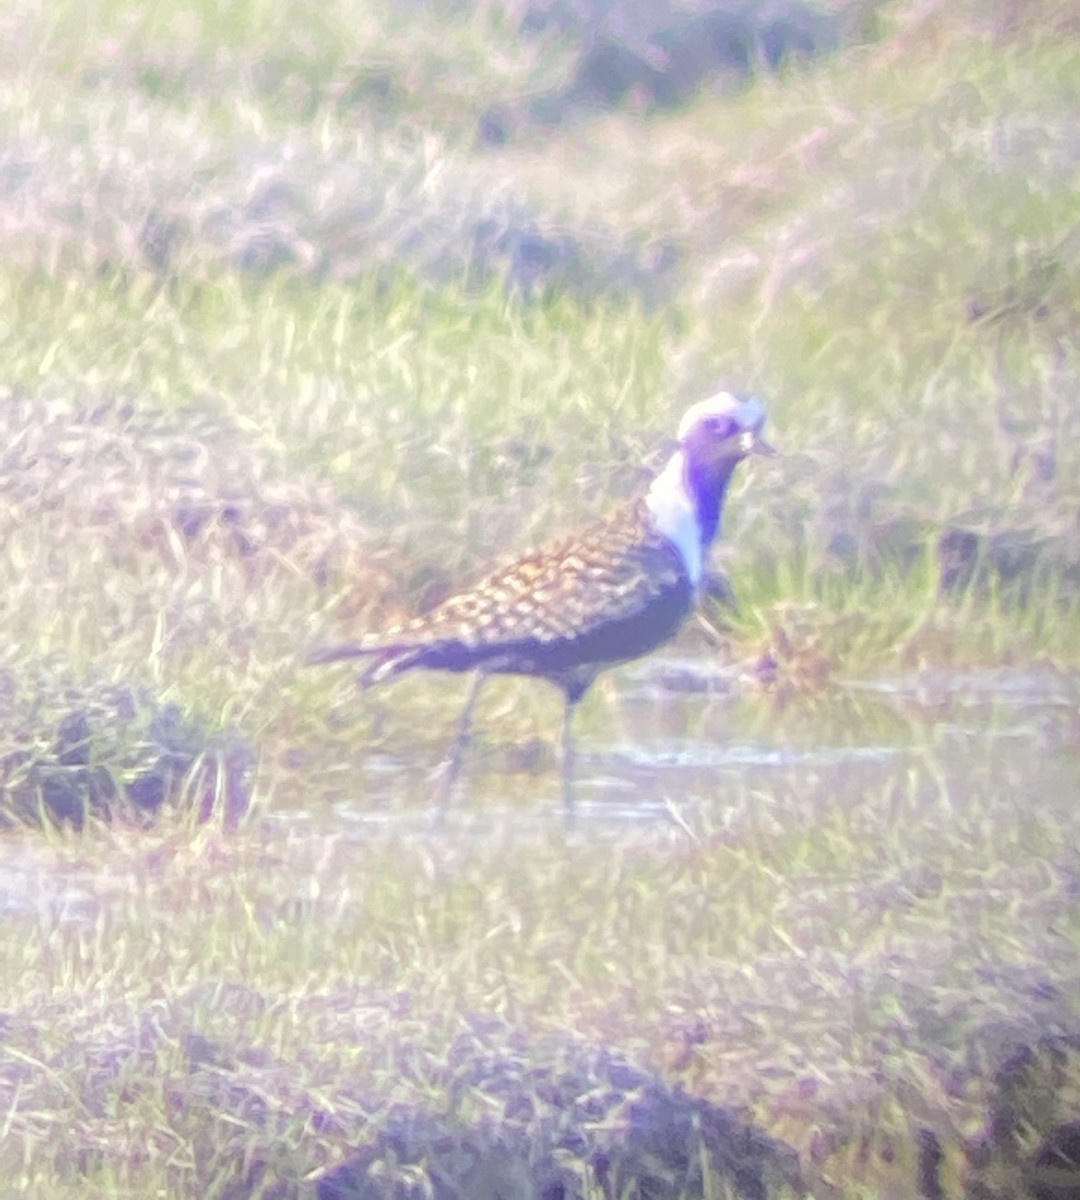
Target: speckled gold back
{"x": 558, "y": 608}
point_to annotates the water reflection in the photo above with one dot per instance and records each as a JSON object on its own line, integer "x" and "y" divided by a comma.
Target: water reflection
{"x": 686, "y": 732}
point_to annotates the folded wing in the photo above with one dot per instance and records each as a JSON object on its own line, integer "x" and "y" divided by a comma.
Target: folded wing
{"x": 611, "y": 593}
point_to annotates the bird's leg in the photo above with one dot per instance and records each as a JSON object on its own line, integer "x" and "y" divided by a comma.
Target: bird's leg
{"x": 567, "y": 759}
{"x": 451, "y": 766}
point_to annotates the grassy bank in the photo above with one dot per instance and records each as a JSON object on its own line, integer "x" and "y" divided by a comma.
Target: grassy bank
{"x": 287, "y": 352}
{"x": 883, "y": 246}
{"x": 187, "y": 1016}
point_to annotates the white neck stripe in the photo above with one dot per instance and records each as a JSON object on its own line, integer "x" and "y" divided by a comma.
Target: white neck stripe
{"x": 675, "y": 514}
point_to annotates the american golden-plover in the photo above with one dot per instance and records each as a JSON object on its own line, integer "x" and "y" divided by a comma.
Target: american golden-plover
{"x": 611, "y": 593}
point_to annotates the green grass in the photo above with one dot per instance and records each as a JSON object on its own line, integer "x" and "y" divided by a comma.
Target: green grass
{"x": 296, "y": 963}
{"x": 255, "y": 396}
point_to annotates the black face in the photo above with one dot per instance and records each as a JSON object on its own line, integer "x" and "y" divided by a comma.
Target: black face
{"x": 717, "y": 438}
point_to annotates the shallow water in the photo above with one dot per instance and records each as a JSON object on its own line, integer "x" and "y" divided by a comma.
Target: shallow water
{"x": 677, "y": 733}
{"x": 682, "y": 745}
{"x": 834, "y": 888}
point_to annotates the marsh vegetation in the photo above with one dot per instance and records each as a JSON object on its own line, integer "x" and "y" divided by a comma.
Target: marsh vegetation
{"x": 310, "y": 314}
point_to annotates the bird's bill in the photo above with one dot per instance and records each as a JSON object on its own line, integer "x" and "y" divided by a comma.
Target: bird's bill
{"x": 753, "y": 443}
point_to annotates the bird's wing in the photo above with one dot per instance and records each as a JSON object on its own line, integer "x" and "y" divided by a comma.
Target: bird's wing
{"x": 611, "y": 592}
{"x": 610, "y": 572}
{"x": 561, "y": 595}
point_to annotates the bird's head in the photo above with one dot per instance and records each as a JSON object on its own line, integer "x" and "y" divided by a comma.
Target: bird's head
{"x": 685, "y": 499}
{"x": 720, "y": 431}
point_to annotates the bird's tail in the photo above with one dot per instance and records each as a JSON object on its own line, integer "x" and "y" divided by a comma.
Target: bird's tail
{"x": 383, "y": 661}
{"x": 338, "y": 652}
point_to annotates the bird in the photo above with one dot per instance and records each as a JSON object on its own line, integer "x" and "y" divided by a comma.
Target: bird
{"x": 611, "y": 593}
